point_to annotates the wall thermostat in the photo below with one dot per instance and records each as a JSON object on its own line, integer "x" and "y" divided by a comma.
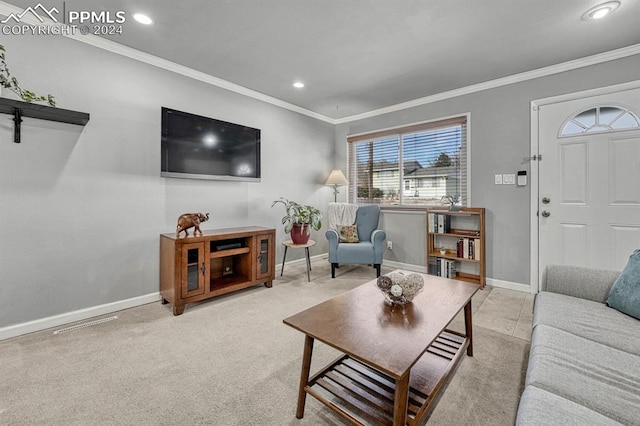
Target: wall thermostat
{"x": 522, "y": 178}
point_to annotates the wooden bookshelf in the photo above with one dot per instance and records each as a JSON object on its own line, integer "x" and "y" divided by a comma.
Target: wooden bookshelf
{"x": 447, "y": 230}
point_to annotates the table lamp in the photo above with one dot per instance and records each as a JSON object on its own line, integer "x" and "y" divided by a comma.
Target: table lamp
{"x": 336, "y": 178}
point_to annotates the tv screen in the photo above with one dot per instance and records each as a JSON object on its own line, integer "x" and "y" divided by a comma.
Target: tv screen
{"x": 198, "y": 147}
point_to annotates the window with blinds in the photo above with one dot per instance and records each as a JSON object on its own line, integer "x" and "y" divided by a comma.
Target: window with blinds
{"x": 410, "y": 166}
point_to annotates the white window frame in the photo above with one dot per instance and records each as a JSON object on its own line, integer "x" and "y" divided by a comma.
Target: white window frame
{"x": 352, "y": 188}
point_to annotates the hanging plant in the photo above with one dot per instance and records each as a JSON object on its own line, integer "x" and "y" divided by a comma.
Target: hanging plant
{"x": 10, "y": 82}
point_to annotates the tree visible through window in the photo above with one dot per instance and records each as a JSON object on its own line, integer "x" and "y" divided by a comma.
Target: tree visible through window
{"x": 414, "y": 165}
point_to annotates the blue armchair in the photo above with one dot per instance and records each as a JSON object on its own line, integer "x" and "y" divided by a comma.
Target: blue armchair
{"x": 370, "y": 248}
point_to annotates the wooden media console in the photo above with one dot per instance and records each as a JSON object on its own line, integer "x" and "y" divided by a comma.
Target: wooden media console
{"x": 220, "y": 261}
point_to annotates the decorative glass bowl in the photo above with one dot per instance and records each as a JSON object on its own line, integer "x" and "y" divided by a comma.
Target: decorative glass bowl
{"x": 398, "y": 288}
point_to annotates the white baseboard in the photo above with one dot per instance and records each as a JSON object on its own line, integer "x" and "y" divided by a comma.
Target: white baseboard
{"x": 525, "y": 288}
{"x": 79, "y": 315}
{"x": 386, "y": 263}
{"x": 490, "y": 281}
{"x": 407, "y": 266}
{"x": 82, "y": 314}
{"x": 301, "y": 260}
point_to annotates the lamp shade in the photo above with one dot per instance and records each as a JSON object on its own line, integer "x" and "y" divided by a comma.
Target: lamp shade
{"x": 337, "y": 178}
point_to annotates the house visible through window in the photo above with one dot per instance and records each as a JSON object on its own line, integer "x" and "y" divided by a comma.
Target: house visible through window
{"x": 413, "y": 165}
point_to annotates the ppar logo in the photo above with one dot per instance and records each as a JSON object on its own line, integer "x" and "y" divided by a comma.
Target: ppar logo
{"x": 93, "y": 17}
{"x": 33, "y": 11}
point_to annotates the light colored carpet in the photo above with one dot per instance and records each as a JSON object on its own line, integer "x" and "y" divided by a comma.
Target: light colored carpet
{"x": 226, "y": 361}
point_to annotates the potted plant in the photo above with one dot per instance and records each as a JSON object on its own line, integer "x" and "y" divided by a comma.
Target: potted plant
{"x": 8, "y": 81}
{"x": 299, "y": 220}
{"x": 452, "y": 201}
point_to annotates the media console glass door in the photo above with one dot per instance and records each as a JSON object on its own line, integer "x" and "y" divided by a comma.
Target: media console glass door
{"x": 193, "y": 269}
{"x": 265, "y": 254}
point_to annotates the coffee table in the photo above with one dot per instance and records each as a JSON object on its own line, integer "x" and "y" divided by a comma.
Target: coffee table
{"x": 396, "y": 360}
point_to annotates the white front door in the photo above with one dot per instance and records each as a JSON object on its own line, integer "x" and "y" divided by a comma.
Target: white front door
{"x": 589, "y": 182}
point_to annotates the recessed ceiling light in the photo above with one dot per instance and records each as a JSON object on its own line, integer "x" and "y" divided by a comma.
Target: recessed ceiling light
{"x": 600, "y": 11}
{"x": 298, "y": 85}
{"x": 142, "y": 18}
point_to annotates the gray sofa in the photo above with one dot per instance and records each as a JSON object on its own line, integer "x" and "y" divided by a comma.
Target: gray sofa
{"x": 584, "y": 362}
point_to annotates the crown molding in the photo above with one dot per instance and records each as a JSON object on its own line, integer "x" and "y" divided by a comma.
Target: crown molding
{"x": 102, "y": 43}
{"x": 119, "y": 49}
{"x": 499, "y": 82}
{"x": 164, "y": 64}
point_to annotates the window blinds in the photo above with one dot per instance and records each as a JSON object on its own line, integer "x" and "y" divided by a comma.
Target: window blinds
{"x": 413, "y": 165}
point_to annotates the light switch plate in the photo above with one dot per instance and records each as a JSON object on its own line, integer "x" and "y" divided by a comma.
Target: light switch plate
{"x": 498, "y": 179}
{"x": 509, "y": 179}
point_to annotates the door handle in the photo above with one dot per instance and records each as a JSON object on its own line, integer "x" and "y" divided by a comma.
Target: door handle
{"x": 545, "y": 213}
{"x": 546, "y": 200}
{"x": 203, "y": 269}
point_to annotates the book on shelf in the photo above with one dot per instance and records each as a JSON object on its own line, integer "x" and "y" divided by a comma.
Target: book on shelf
{"x": 439, "y": 223}
{"x": 432, "y": 266}
{"x": 442, "y": 267}
{"x": 468, "y": 248}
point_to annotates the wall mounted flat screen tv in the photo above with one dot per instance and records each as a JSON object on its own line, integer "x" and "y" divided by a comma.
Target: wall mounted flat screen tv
{"x": 198, "y": 147}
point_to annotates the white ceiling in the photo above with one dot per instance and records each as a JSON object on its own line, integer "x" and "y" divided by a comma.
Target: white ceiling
{"x": 357, "y": 56}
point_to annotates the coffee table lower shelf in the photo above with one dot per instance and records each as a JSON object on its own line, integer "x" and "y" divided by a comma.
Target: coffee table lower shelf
{"x": 364, "y": 395}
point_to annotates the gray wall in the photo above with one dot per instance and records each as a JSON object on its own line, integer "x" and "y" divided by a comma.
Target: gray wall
{"x": 81, "y": 209}
{"x": 500, "y": 139}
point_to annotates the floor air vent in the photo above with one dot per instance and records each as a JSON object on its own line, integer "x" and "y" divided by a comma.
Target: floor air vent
{"x": 85, "y": 324}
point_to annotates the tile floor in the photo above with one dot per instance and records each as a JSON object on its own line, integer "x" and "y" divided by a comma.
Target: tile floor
{"x": 505, "y": 311}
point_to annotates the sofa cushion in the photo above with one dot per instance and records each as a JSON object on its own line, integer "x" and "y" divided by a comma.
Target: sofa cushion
{"x": 588, "y": 373}
{"x": 578, "y": 281}
{"x": 625, "y": 292}
{"x": 539, "y": 407}
{"x": 591, "y": 320}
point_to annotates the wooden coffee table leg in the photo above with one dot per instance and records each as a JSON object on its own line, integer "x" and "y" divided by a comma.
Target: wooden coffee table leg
{"x": 468, "y": 327}
{"x": 304, "y": 375}
{"x": 400, "y": 401}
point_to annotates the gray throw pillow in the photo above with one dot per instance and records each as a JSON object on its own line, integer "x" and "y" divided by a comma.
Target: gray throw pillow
{"x": 625, "y": 292}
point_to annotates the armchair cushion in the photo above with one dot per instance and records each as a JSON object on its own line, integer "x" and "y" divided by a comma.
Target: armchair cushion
{"x": 348, "y": 233}
{"x": 367, "y": 218}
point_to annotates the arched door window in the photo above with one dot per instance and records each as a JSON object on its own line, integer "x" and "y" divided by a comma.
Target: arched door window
{"x": 600, "y": 119}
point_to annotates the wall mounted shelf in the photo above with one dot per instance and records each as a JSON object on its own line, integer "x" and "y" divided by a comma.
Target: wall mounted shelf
{"x": 21, "y": 109}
